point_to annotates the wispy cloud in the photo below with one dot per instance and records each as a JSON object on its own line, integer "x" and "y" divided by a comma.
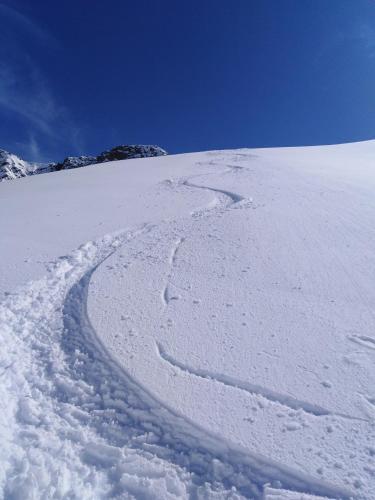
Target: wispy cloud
{"x": 25, "y": 91}
{"x": 29, "y": 149}
{"x": 33, "y": 148}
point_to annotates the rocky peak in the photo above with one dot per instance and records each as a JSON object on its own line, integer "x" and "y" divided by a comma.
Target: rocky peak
{"x": 123, "y": 152}
{"x": 12, "y": 167}
{"x": 132, "y": 151}
{"x": 73, "y": 162}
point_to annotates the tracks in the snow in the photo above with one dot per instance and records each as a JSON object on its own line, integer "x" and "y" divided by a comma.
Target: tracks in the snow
{"x": 123, "y": 413}
{"x": 364, "y": 341}
{"x": 90, "y": 409}
{"x": 263, "y": 392}
{"x": 228, "y": 200}
{"x": 233, "y": 197}
{"x": 254, "y": 389}
{"x": 166, "y": 294}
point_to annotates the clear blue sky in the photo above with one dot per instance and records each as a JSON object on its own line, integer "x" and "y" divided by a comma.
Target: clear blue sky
{"x": 80, "y": 76}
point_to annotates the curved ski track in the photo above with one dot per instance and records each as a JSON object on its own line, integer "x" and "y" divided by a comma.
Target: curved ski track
{"x": 90, "y": 412}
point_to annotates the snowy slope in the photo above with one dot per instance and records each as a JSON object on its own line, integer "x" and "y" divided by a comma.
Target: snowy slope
{"x": 193, "y": 326}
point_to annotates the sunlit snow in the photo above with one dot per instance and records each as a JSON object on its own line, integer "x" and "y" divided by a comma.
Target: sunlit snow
{"x": 191, "y": 326}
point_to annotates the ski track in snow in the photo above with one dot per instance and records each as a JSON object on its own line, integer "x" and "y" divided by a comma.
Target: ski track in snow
{"x": 166, "y": 294}
{"x": 228, "y": 199}
{"x": 81, "y": 428}
{"x": 234, "y": 197}
{"x": 263, "y": 392}
{"x": 363, "y": 341}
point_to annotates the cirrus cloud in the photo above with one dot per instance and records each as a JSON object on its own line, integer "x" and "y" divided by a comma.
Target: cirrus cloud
{"x": 25, "y": 92}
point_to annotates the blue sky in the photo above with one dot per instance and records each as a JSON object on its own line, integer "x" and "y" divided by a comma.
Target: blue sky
{"x": 81, "y": 76}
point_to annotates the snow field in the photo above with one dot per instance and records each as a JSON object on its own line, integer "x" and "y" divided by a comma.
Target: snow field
{"x": 221, "y": 347}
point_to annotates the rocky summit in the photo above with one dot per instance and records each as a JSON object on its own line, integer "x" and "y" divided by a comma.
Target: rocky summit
{"x": 123, "y": 152}
{"x": 74, "y": 162}
{"x": 13, "y": 167}
{"x": 133, "y": 151}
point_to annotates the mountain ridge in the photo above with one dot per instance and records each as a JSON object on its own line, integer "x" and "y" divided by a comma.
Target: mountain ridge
{"x": 13, "y": 167}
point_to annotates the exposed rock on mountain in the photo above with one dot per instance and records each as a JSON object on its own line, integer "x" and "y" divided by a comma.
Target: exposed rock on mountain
{"x": 74, "y": 162}
{"x": 12, "y": 167}
{"x": 127, "y": 152}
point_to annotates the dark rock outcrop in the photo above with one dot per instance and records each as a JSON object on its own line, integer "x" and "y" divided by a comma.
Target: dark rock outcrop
{"x": 73, "y": 162}
{"x": 12, "y": 167}
{"x": 128, "y": 152}
{"x": 123, "y": 152}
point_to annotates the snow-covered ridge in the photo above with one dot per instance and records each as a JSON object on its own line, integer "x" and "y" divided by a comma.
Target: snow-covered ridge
{"x": 12, "y": 167}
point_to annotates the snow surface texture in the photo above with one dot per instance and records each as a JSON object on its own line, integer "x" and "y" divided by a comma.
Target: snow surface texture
{"x": 220, "y": 347}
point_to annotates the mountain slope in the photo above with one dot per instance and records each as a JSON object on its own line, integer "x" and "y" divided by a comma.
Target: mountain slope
{"x": 212, "y": 332}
